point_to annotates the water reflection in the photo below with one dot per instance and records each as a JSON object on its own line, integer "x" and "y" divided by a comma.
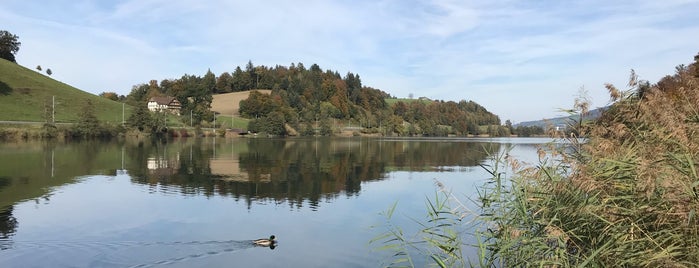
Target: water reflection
{"x": 256, "y": 171}
{"x": 8, "y": 223}
{"x": 295, "y": 171}
{"x": 125, "y": 253}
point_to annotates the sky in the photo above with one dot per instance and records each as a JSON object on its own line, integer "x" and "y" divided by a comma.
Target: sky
{"x": 522, "y": 60}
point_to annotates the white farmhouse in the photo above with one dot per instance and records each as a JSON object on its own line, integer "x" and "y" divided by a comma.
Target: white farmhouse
{"x": 168, "y": 104}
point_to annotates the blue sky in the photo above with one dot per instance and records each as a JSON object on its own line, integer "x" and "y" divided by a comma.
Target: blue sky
{"x": 522, "y": 60}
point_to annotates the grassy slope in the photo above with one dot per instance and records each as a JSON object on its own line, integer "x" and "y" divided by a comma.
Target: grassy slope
{"x": 31, "y": 91}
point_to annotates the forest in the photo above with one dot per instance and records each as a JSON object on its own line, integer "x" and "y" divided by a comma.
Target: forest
{"x": 313, "y": 101}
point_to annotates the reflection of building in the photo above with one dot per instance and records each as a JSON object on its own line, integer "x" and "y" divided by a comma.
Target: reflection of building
{"x": 157, "y": 163}
{"x": 160, "y": 165}
{"x": 229, "y": 170}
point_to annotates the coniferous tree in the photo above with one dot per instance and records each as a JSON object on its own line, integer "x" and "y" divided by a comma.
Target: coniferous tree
{"x": 141, "y": 118}
{"x": 209, "y": 82}
{"x": 88, "y": 124}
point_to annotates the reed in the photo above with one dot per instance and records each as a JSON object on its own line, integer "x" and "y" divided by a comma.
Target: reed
{"x": 626, "y": 197}
{"x": 438, "y": 239}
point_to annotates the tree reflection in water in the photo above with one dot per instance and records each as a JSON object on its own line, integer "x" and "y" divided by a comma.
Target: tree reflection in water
{"x": 295, "y": 171}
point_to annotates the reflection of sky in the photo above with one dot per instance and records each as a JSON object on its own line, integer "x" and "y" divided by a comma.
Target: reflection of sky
{"x": 102, "y": 219}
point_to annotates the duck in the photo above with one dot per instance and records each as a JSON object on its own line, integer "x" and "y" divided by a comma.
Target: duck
{"x": 265, "y": 242}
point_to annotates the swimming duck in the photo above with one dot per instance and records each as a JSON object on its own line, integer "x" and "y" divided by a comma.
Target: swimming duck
{"x": 265, "y": 242}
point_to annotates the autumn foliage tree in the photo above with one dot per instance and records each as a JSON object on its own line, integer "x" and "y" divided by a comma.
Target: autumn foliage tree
{"x": 110, "y": 95}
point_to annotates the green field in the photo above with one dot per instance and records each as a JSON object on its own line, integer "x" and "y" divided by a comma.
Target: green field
{"x": 25, "y": 94}
{"x": 238, "y": 122}
{"x": 391, "y": 101}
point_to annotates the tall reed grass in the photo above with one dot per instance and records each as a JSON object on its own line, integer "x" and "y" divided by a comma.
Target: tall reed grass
{"x": 627, "y": 197}
{"x": 439, "y": 239}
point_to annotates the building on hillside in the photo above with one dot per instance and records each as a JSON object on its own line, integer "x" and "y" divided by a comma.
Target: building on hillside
{"x": 168, "y": 104}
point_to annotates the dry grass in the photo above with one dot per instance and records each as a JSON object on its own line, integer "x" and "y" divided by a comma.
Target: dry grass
{"x": 229, "y": 103}
{"x": 627, "y": 198}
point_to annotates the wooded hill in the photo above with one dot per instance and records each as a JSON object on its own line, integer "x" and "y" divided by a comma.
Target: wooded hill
{"x": 308, "y": 99}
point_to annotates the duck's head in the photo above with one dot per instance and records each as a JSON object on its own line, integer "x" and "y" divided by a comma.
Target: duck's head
{"x": 271, "y": 237}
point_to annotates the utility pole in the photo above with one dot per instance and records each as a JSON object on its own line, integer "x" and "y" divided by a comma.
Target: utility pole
{"x": 190, "y": 118}
{"x": 53, "y": 110}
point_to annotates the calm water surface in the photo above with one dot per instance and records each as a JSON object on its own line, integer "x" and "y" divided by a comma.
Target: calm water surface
{"x": 199, "y": 202}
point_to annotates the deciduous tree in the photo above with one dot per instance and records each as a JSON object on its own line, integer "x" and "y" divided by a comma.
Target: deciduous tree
{"x": 110, "y": 95}
{"x": 256, "y": 105}
{"x": 9, "y": 45}
{"x": 223, "y": 83}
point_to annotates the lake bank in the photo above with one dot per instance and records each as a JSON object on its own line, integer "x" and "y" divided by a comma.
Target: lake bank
{"x": 28, "y": 131}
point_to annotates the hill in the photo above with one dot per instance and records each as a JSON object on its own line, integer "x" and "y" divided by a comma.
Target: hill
{"x": 229, "y": 103}
{"x": 311, "y": 99}
{"x": 25, "y": 94}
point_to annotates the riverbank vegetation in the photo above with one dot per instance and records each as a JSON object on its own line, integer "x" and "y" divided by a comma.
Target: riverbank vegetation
{"x": 626, "y": 197}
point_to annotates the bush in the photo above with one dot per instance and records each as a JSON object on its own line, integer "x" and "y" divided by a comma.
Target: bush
{"x": 308, "y": 130}
{"x": 326, "y": 127}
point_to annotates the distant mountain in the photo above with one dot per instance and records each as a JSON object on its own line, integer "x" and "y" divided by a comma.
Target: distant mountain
{"x": 563, "y": 120}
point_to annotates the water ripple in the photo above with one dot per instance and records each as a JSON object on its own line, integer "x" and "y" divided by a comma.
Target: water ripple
{"x": 115, "y": 253}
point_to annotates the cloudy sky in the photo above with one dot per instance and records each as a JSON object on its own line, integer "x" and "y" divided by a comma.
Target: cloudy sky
{"x": 523, "y": 60}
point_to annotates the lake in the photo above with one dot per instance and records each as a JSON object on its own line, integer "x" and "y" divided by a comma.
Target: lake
{"x": 200, "y": 202}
